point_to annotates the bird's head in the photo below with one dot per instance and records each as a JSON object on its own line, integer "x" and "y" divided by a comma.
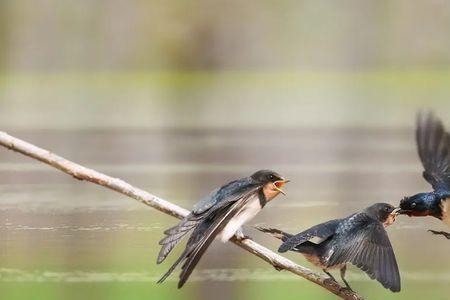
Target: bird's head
{"x": 419, "y": 205}
{"x": 272, "y": 183}
{"x": 383, "y": 212}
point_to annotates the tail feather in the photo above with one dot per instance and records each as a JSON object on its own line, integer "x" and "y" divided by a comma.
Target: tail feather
{"x": 281, "y": 235}
{"x": 191, "y": 245}
{"x": 174, "y": 236}
{"x": 208, "y": 234}
{"x": 186, "y": 222}
{"x": 172, "y": 268}
{"x": 305, "y": 248}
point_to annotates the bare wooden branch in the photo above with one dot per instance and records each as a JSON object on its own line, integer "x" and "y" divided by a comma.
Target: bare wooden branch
{"x": 118, "y": 185}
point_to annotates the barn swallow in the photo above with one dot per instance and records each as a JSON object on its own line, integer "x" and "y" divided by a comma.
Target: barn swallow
{"x": 433, "y": 145}
{"x": 359, "y": 239}
{"x": 221, "y": 214}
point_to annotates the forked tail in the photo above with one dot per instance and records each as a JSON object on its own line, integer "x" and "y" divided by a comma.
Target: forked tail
{"x": 281, "y": 235}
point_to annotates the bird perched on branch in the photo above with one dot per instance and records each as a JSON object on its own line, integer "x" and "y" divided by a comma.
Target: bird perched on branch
{"x": 359, "y": 239}
{"x": 221, "y": 214}
{"x": 433, "y": 145}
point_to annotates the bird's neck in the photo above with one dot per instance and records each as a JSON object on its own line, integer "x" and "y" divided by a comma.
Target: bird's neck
{"x": 435, "y": 207}
{"x": 262, "y": 197}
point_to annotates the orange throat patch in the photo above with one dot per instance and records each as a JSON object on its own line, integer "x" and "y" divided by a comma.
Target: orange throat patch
{"x": 270, "y": 191}
{"x": 390, "y": 220}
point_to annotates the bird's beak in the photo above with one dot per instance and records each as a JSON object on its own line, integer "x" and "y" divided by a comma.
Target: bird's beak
{"x": 392, "y": 216}
{"x": 396, "y": 211}
{"x": 279, "y": 184}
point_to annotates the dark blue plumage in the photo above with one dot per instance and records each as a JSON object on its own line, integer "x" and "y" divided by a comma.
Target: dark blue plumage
{"x": 359, "y": 239}
{"x": 433, "y": 145}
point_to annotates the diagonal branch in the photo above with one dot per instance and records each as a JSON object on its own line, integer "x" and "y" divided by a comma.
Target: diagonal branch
{"x": 118, "y": 185}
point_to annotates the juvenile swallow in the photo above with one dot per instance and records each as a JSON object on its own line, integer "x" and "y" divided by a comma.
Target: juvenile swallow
{"x": 359, "y": 239}
{"x": 221, "y": 214}
{"x": 433, "y": 145}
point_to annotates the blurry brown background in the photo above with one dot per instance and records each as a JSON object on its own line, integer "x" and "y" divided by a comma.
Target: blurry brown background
{"x": 180, "y": 97}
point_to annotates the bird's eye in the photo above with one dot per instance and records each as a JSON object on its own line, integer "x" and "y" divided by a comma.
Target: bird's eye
{"x": 386, "y": 209}
{"x": 271, "y": 177}
{"x": 413, "y": 204}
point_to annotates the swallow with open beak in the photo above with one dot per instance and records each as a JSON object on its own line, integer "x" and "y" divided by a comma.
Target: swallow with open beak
{"x": 359, "y": 239}
{"x": 221, "y": 214}
{"x": 433, "y": 145}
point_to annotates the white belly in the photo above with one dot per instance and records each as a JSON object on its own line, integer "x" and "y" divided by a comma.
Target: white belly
{"x": 445, "y": 207}
{"x": 248, "y": 212}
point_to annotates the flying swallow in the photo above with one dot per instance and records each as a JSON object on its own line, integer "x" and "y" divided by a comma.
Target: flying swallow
{"x": 221, "y": 214}
{"x": 359, "y": 239}
{"x": 433, "y": 145}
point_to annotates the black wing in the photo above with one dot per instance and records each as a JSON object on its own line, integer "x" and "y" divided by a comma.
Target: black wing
{"x": 175, "y": 234}
{"x": 322, "y": 231}
{"x": 202, "y": 237}
{"x": 364, "y": 242}
{"x": 230, "y": 192}
{"x": 219, "y": 198}
{"x": 433, "y": 145}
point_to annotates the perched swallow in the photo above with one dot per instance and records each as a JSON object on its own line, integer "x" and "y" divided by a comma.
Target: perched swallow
{"x": 220, "y": 214}
{"x": 433, "y": 145}
{"x": 359, "y": 239}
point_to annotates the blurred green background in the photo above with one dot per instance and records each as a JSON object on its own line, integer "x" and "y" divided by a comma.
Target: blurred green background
{"x": 180, "y": 97}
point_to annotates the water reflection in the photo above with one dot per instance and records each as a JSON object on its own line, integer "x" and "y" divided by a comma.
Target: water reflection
{"x": 82, "y": 233}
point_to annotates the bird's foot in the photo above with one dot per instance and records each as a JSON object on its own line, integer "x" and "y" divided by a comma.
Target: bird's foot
{"x": 331, "y": 281}
{"x": 278, "y": 268}
{"x": 346, "y": 288}
{"x": 446, "y": 234}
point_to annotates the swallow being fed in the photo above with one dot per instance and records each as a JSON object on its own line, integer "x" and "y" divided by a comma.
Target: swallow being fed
{"x": 359, "y": 239}
{"x": 221, "y": 214}
{"x": 433, "y": 145}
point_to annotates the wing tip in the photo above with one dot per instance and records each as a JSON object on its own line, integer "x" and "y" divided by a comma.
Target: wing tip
{"x": 163, "y": 253}
{"x": 160, "y": 259}
{"x": 284, "y": 248}
{"x": 394, "y": 288}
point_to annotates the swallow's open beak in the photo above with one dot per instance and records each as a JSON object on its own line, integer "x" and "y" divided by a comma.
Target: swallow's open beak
{"x": 279, "y": 184}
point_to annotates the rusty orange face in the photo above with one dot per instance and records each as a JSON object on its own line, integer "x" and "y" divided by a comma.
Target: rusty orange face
{"x": 272, "y": 189}
{"x": 415, "y": 213}
{"x": 392, "y": 217}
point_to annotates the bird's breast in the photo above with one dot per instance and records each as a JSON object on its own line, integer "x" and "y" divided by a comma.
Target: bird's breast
{"x": 445, "y": 209}
{"x": 319, "y": 262}
{"x": 247, "y": 212}
{"x": 315, "y": 260}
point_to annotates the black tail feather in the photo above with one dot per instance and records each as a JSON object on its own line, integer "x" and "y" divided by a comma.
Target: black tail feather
{"x": 174, "y": 235}
{"x": 281, "y": 235}
{"x": 173, "y": 267}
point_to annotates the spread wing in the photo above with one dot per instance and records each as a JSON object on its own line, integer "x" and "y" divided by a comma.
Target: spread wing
{"x": 433, "y": 145}
{"x": 219, "y": 198}
{"x": 364, "y": 242}
{"x": 322, "y": 231}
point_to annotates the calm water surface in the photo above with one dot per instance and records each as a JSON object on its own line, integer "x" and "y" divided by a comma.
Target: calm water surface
{"x": 65, "y": 239}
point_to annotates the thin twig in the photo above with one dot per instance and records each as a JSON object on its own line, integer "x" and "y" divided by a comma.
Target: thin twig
{"x": 118, "y": 185}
